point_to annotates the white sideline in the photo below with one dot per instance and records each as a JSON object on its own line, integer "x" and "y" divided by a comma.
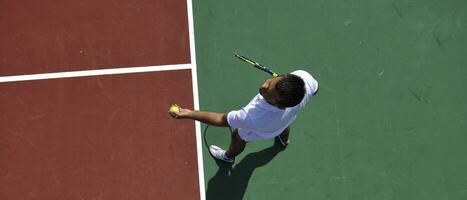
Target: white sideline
{"x": 194, "y": 76}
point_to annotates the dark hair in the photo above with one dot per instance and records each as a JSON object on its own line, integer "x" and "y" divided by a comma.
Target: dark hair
{"x": 291, "y": 90}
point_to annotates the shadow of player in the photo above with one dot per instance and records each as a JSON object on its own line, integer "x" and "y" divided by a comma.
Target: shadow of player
{"x": 231, "y": 183}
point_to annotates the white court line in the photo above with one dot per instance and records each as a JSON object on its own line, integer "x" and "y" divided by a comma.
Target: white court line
{"x": 97, "y": 72}
{"x": 194, "y": 77}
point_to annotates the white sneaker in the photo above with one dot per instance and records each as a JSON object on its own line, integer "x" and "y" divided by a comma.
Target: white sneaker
{"x": 219, "y": 154}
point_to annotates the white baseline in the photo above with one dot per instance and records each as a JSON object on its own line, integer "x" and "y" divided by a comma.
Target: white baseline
{"x": 98, "y": 72}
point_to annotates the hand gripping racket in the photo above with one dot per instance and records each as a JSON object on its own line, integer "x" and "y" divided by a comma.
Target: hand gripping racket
{"x": 256, "y": 65}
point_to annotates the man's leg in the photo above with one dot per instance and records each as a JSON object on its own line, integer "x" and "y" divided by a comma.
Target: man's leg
{"x": 237, "y": 145}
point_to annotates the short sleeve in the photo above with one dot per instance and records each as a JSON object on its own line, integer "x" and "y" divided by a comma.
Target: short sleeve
{"x": 240, "y": 119}
{"x": 311, "y": 83}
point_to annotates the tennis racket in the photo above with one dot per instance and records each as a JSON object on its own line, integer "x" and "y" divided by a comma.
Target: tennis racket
{"x": 256, "y": 65}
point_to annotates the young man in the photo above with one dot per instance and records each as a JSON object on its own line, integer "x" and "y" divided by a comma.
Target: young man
{"x": 268, "y": 114}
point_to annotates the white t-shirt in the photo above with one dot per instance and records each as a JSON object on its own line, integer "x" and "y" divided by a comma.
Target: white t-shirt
{"x": 261, "y": 120}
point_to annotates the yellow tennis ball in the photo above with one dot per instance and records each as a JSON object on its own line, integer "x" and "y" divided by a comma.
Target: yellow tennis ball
{"x": 174, "y": 109}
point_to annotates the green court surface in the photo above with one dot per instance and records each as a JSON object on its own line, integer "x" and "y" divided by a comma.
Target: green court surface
{"x": 390, "y": 120}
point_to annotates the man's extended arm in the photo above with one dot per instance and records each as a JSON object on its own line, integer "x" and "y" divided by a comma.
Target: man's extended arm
{"x": 211, "y": 118}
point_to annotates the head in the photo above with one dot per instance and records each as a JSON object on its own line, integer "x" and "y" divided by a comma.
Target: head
{"x": 284, "y": 91}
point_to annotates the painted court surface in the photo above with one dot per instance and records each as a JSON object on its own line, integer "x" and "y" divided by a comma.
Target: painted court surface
{"x": 85, "y": 87}
{"x": 104, "y": 136}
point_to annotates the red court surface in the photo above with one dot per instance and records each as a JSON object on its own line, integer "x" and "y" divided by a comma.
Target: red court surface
{"x": 100, "y": 137}
{"x": 96, "y": 137}
{"x": 55, "y": 35}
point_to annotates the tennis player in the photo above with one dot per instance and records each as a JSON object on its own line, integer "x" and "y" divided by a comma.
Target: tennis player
{"x": 268, "y": 115}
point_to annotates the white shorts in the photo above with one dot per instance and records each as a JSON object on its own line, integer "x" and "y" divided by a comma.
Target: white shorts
{"x": 249, "y": 136}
